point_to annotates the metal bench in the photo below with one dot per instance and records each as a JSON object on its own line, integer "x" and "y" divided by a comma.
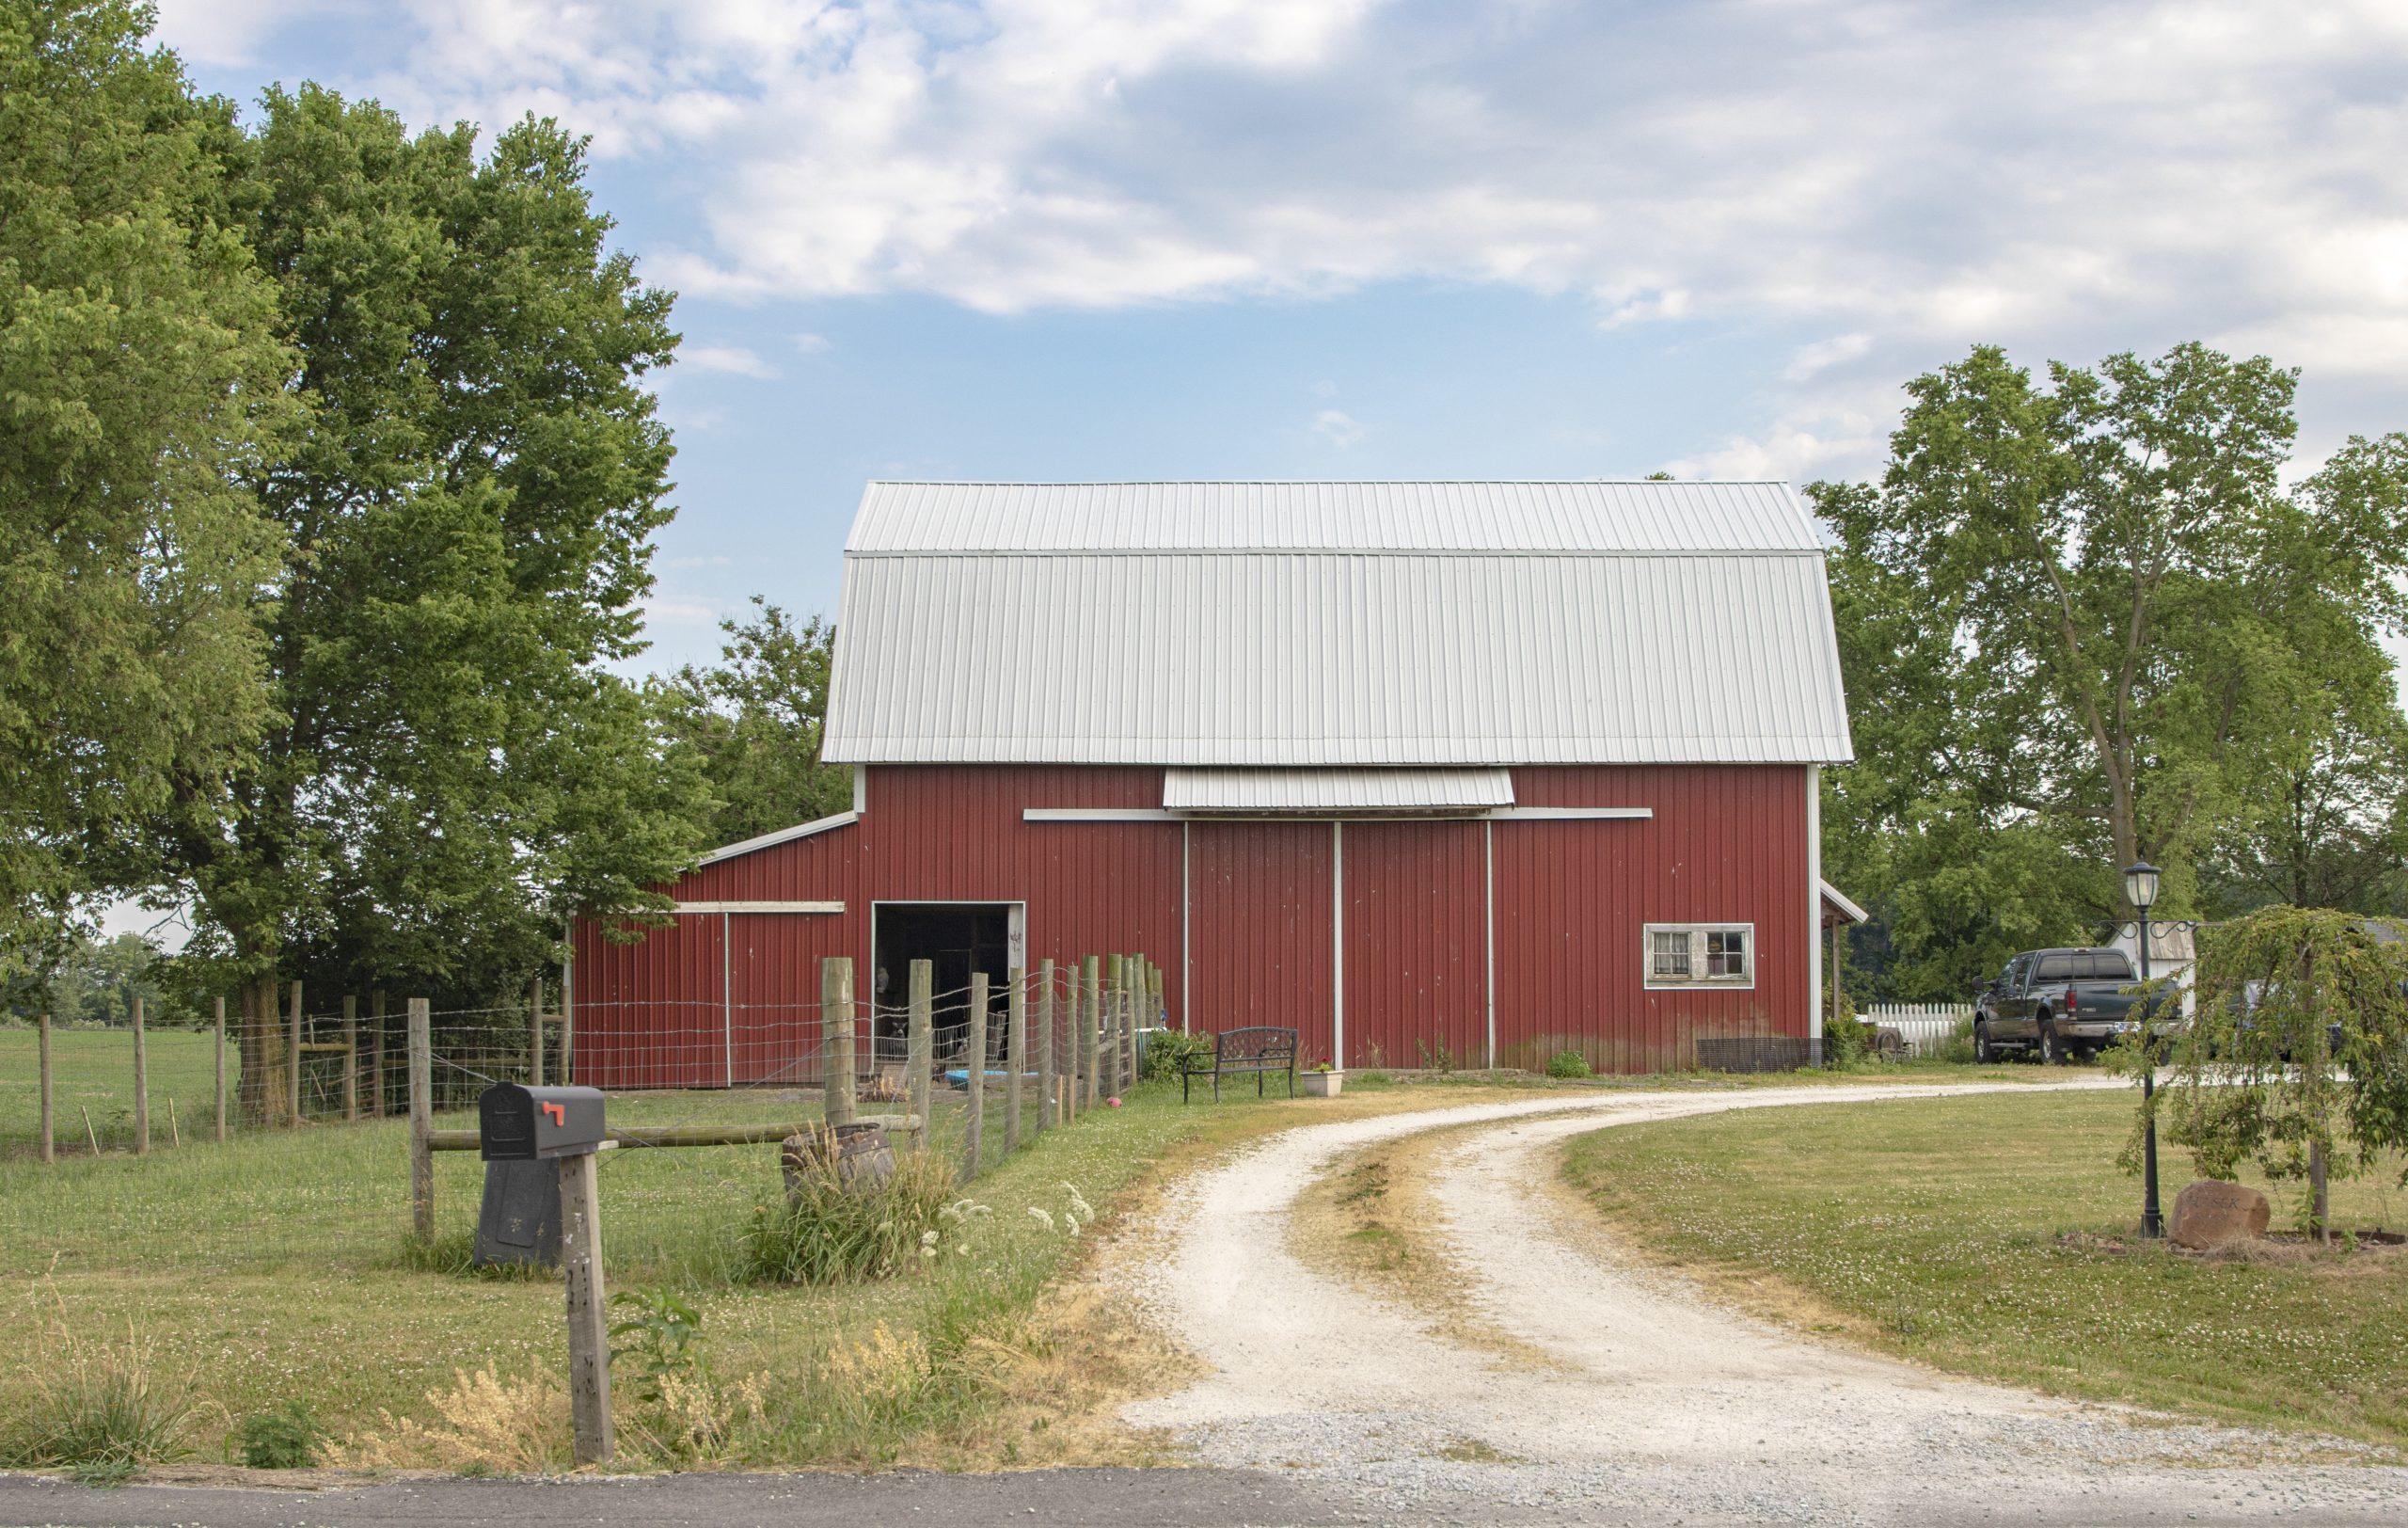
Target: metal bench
{"x": 1260, "y": 1049}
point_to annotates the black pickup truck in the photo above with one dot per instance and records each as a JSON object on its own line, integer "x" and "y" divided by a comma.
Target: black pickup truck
{"x": 2055, "y": 1003}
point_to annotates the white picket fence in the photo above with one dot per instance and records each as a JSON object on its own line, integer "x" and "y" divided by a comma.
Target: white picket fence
{"x": 1923, "y": 1025}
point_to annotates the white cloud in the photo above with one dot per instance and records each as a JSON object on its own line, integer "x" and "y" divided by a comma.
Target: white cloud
{"x": 663, "y": 612}
{"x": 2082, "y": 177}
{"x": 1339, "y": 428}
{"x": 811, "y": 345}
{"x": 1808, "y": 360}
{"x": 733, "y": 360}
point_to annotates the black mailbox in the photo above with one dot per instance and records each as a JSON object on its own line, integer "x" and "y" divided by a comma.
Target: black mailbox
{"x": 517, "y": 1124}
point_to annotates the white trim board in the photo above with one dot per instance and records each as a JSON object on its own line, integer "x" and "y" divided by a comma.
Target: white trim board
{"x": 1503, "y": 814}
{"x": 767, "y": 840}
{"x": 759, "y": 907}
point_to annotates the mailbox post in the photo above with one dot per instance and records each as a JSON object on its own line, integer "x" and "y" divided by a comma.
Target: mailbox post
{"x": 521, "y": 1124}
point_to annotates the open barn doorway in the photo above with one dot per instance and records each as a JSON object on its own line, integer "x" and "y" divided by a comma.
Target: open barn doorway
{"x": 956, "y": 938}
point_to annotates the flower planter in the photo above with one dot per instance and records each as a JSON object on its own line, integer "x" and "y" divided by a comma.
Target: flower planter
{"x": 1323, "y": 1084}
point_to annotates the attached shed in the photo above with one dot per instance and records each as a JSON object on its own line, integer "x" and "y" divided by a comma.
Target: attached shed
{"x": 1492, "y": 769}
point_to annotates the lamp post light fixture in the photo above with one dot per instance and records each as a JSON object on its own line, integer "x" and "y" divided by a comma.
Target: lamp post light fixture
{"x": 2140, "y": 889}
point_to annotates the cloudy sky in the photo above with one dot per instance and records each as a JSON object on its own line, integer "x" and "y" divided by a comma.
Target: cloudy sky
{"x": 1364, "y": 238}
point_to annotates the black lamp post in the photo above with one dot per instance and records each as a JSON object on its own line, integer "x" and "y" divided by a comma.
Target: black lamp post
{"x": 2140, "y": 889}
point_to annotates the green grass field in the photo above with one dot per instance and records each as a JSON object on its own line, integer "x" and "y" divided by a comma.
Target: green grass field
{"x": 1968, "y": 1233}
{"x": 92, "y": 1071}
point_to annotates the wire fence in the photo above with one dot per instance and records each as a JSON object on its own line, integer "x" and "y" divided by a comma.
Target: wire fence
{"x": 1045, "y": 1044}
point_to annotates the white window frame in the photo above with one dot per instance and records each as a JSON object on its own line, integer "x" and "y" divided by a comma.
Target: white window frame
{"x": 1696, "y": 978}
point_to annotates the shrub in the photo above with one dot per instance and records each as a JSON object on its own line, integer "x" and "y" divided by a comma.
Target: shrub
{"x": 288, "y": 1438}
{"x": 1167, "y": 1051}
{"x": 1569, "y": 1064}
{"x": 96, "y": 1409}
{"x": 1957, "y": 1049}
{"x": 832, "y": 1233}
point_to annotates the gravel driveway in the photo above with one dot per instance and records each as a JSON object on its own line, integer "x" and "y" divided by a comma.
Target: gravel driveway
{"x": 1660, "y": 1408}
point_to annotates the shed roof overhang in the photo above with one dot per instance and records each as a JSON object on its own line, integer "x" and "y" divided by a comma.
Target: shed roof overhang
{"x": 1837, "y": 908}
{"x": 1309, "y": 792}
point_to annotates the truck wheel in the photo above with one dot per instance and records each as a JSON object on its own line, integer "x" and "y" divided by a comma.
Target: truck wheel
{"x": 2052, "y": 1052}
{"x": 1983, "y": 1050}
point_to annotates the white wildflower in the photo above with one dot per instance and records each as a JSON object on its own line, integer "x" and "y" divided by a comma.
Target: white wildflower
{"x": 1079, "y": 1207}
{"x": 927, "y": 1239}
{"x": 1042, "y": 1215}
{"x": 1071, "y": 1224}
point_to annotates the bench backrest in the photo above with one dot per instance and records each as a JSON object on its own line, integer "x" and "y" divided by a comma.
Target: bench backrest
{"x": 1257, "y": 1043}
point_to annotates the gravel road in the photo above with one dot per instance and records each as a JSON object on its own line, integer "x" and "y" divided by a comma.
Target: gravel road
{"x": 1660, "y": 1408}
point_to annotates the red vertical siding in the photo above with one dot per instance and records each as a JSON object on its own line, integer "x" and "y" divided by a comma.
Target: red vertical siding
{"x": 654, "y": 1013}
{"x": 1416, "y": 944}
{"x": 955, "y": 833}
{"x": 1260, "y": 917}
{"x": 1724, "y": 845}
{"x": 773, "y": 958}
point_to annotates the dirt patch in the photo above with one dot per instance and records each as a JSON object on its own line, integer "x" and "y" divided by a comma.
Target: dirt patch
{"x": 1370, "y": 1221}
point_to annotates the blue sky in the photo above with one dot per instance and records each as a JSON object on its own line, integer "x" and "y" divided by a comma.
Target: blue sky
{"x": 1237, "y": 238}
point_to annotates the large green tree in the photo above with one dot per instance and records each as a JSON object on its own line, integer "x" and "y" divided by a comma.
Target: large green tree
{"x": 2079, "y": 617}
{"x": 455, "y": 768}
{"x": 754, "y": 722}
{"x": 140, "y": 386}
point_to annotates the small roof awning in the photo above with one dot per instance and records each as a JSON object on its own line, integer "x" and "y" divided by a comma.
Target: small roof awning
{"x": 1403, "y": 792}
{"x": 1838, "y": 909}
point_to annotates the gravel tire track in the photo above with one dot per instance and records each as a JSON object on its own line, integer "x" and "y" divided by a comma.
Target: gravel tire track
{"x": 1665, "y": 1409}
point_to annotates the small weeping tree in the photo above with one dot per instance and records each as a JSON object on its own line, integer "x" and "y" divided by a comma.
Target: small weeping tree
{"x": 2297, "y": 1056}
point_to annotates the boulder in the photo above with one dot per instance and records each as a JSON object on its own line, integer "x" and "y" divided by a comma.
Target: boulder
{"x": 2210, "y": 1212}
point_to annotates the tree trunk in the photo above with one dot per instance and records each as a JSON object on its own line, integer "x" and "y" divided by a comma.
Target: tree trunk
{"x": 2319, "y": 1195}
{"x": 264, "y": 1055}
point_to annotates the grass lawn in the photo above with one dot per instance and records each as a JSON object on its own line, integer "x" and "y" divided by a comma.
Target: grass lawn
{"x": 92, "y": 1070}
{"x": 277, "y": 1268}
{"x": 1974, "y": 1234}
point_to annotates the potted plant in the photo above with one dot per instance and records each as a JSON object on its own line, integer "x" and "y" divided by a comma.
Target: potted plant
{"x": 1323, "y": 1080}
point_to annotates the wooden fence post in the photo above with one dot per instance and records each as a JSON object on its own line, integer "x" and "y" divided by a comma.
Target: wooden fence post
{"x": 1015, "y": 1056}
{"x": 220, "y": 1057}
{"x": 919, "y": 1042}
{"x": 292, "y": 1059}
{"x": 1047, "y": 1114}
{"x": 836, "y": 1052}
{"x": 589, "y": 1318}
{"x": 974, "y": 1070}
{"x": 350, "y": 1056}
{"x": 377, "y": 1054}
{"x": 1090, "y": 1022}
{"x": 421, "y": 1061}
{"x": 569, "y": 1006}
{"x": 141, "y": 1084}
{"x": 535, "y": 1032}
{"x": 49, "y": 1150}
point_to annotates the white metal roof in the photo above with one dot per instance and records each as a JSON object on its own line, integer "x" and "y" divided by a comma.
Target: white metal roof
{"x": 912, "y": 519}
{"x": 1331, "y": 624}
{"x": 1323, "y": 791}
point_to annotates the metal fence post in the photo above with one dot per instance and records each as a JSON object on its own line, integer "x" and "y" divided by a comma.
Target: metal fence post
{"x": 918, "y": 1044}
{"x": 49, "y": 1149}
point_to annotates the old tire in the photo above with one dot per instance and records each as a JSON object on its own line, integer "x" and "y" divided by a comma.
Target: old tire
{"x": 2052, "y": 1051}
{"x": 1984, "y": 1053}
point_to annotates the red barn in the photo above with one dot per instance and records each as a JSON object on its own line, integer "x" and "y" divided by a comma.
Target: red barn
{"x": 1498, "y": 768}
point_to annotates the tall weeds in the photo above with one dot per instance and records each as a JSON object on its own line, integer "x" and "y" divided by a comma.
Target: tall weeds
{"x": 98, "y": 1409}
{"x": 832, "y": 1232}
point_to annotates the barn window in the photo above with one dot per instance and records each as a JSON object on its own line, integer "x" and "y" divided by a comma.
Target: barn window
{"x": 1701, "y": 955}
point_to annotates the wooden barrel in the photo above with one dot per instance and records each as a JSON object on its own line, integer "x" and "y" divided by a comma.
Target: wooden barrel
{"x": 860, "y": 1152}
